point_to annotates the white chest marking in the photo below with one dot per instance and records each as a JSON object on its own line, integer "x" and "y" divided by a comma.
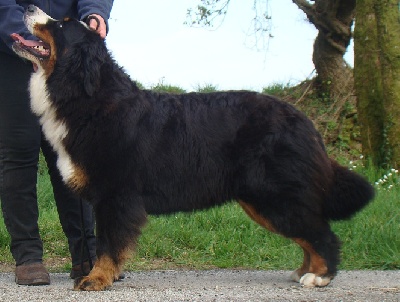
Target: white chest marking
{"x": 54, "y": 129}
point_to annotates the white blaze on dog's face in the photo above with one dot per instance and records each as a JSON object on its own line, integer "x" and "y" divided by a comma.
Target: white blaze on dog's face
{"x": 36, "y": 16}
{"x": 43, "y": 52}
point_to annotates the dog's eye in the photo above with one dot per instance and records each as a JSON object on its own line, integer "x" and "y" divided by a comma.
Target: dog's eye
{"x": 59, "y": 24}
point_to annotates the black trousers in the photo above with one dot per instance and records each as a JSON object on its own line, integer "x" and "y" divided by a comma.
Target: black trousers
{"x": 20, "y": 141}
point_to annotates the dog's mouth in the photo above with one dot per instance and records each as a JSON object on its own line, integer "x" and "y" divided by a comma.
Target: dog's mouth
{"x": 38, "y": 49}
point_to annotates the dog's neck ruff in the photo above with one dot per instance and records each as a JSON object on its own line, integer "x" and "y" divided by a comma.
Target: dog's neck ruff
{"x": 55, "y": 130}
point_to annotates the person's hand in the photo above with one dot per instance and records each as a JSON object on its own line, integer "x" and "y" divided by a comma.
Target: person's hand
{"x": 98, "y": 24}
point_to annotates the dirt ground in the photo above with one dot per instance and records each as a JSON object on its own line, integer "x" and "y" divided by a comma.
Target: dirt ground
{"x": 213, "y": 285}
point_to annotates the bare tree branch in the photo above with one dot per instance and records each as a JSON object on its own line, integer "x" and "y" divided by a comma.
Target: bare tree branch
{"x": 207, "y": 12}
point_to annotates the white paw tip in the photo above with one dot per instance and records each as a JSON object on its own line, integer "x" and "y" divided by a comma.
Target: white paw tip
{"x": 312, "y": 280}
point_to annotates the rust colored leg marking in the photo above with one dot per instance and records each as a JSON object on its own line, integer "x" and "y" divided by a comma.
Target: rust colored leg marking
{"x": 252, "y": 212}
{"x": 314, "y": 270}
{"x": 101, "y": 276}
{"x": 305, "y": 268}
{"x": 317, "y": 264}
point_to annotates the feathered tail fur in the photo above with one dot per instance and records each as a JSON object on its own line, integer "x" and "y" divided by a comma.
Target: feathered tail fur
{"x": 349, "y": 193}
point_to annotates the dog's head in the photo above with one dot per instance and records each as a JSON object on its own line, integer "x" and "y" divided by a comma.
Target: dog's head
{"x": 66, "y": 44}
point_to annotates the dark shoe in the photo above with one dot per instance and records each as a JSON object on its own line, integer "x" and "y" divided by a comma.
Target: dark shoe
{"x": 77, "y": 272}
{"x": 32, "y": 274}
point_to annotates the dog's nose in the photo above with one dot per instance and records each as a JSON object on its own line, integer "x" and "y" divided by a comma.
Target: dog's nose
{"x": 31, "y": 8}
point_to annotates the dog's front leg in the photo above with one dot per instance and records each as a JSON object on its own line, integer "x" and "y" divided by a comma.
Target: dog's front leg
{"x": 102, "y": 276}
{"x": 118, "y": 224}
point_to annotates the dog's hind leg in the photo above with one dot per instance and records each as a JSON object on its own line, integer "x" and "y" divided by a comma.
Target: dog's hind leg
{"x": 320, "y": 246}
{"x": 117, "y": 229}
{"x": 320, "y": 260}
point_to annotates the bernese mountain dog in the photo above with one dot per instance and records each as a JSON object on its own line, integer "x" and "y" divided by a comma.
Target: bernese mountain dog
{"x": 133, "y": 152}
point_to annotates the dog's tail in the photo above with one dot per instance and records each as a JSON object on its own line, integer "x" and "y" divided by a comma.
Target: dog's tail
{"x": 349, "y": 193}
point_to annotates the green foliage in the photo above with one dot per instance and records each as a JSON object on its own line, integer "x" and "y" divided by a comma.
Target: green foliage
{"x": 277, "y": 89}
{"x": 4, "y": 244}
{"x": 206, "y": 88}
{"x": 42, "y": 166}
{"x": 162, "y": 87}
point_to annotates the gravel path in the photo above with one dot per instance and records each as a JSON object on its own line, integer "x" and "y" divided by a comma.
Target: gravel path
{"x": 213, "y": 285}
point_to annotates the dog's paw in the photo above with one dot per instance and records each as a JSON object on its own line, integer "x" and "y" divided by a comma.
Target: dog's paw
{"x": 312, "y": 280}
{"x": 91, "y": 284}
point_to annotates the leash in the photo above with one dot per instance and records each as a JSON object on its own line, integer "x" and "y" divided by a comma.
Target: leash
{"x": 92, "y": 17}
{"x": 84, "y": 240}
{"x": 83, "y": 232}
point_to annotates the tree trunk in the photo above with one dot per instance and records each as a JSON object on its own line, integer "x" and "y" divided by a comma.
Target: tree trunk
{"x": 377, "y": 74}
{"x": 335, "y": 78}
{"x": 368, "y": 82}
{"x": 387, "y": 16}
{"x": 333, "y": 20}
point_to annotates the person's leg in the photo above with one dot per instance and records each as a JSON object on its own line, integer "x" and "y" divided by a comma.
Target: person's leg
{"x": 70, "y": 211}
{"x": 19, "y": 150}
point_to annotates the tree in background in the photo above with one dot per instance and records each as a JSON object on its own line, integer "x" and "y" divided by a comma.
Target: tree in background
{"x": 332, "y": 18}
{"x": 377, "y": 79}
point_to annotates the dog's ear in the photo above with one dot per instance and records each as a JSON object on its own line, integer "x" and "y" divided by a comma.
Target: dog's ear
{"x": 92, "y": 60}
